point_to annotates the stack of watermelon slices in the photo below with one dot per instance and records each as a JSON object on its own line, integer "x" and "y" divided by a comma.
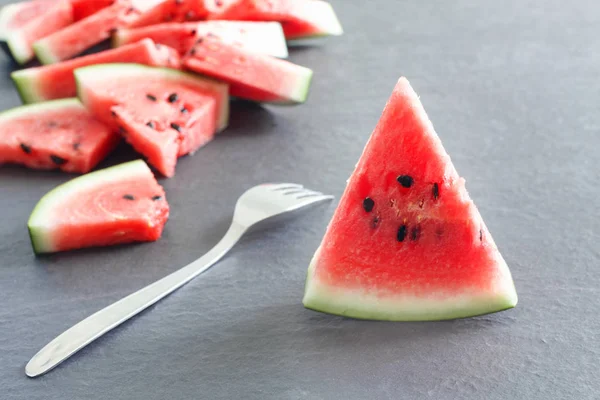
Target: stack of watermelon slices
{"x": 163, "y": 87}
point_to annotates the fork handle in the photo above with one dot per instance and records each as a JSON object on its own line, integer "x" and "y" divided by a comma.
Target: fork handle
{"x": 96, "y": 325}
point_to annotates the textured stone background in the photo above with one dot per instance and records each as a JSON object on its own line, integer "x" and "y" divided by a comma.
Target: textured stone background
{"x": 512, "y": 87}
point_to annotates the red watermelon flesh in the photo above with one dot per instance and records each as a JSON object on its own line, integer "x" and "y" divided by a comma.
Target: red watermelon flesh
{"x": 300, "y": 18}
{"x": 162, "y": 113}
{"x": 121, "y": 204}
{"x": 57, "y": 81}
{"x": 84, "y": 8}
{"x": 260, "y": 37}
{"x": 59, "y": 134}
{"x": 251, "y": 76}
{"x": 21, "y": 26}
{"x": 406, "y": 241}
{"x": 80, "y": 36}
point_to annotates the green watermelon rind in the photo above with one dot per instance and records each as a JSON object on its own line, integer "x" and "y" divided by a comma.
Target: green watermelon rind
{"x": 330, "y": 24}
{"x": 138, "y": 72}
{"x": 39, "y": 224}
{"x": 44, "y": 53}
{"x": 27, "y": 83}
{"x": 362, "y": 305}
{"x": 33, "y": 109}
{"x": 300, "y": 93}
{"x": 20, "y": 50}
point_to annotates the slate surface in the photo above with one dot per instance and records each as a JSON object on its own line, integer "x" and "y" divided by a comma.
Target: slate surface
{"x": 512, "y": 88}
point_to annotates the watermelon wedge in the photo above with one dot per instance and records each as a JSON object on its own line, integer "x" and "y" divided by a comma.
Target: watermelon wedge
{"x": 251, "y": 76}
{"x": 300, "y": 18}
{"x": 80, "y": 36}
{"x": 121, "y": 204}
{"x": 260, "y": 37}
{"x": 59, "y": 134}
{"x": 57, "y": 81}
{"x": 162, "y": 113}
{"x": 406, "y": 241}
{"x": 84, "y": 8}
{"x": 21, "y": 24}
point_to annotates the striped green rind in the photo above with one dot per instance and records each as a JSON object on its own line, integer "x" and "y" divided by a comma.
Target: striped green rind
{"x": 368, "y": 304}
{"x": 42, "y": 221}
{"x": 108, "y": 72}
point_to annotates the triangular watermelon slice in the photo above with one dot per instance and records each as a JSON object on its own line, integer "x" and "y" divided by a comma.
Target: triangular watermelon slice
{"x": 22, "y": 24}
{"x": 80, "y": 36}
{"x": 406, "y": 241}
{"x": 120, "y": 204}
{"x": 251, "y": 76}
{"x": 162, "y": 113}
{"x": 56, "y": 81}
{"x": 300, "y": 18}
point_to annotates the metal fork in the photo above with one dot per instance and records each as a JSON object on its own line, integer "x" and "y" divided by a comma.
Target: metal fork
{"x": 258, "y": 204}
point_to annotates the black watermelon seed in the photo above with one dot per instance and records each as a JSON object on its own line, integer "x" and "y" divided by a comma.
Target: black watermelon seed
{"x": 156, "y": 198}
{"x": 415, "y": 233}
{"x": 26, "y": 149}
{"x": 122, "y": 130}
{"x": 52, "y": 124}
{"x": 175, "y": 126}
{"x": 190, "y": 15}
{"x": 113, "y": 114}
{"x": 402, "y": 233}
{"x": 192, "y": 52}
{"x": 129, "y": 197}
{"x": 436, "y": 191}
{"x": 158, "y": 46}
{"x": 76, "y": 146}
{"x": 375, "y": 222}
{"x": 129, "y": 10}
{"x": 170, "y": 17}
{"x": 368, "y": 204}
{"x": 200, "y": 40}
{"x": 179, "y": 2}
{"x": 184, "y": 110}
{"x": 481, "y": 235}
{"x": 150, "y": 124}
{"x": 57, "y": 160}
{"x": 112, "y": 31}
{"x": 193, "y": 32}
{"x": 173, "y": 97}
{"x": 151, "y": 97}
{"x": 405, "y": 180}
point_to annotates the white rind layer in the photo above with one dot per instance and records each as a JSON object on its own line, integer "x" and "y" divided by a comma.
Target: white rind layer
{"x": 365, "y": 304}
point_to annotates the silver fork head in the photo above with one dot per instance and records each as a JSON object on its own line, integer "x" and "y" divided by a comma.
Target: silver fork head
{"x": 271, "y": 199}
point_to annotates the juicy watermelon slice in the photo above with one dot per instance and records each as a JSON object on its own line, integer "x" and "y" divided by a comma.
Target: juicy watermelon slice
{"x": 22, "y": 24}
{"x": 252, "y": 76}
{"x": 260, "y": 37}
{"x": 162, "y": 113}
{"x": 60, "y": 134}
{"x": 57, "y": 81}
{"x": 406, "y": 241}
{"x": 84, "y": 8}
{"x": 300, "y": 18}
{"x": 121, "y": 204}
{"x": 80, "y": 36}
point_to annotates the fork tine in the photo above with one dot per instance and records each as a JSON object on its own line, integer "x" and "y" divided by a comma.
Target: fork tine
{"x": 308, "y": 193}
{"x": 316, "y": 199}
{"x": 285, "y": 186}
